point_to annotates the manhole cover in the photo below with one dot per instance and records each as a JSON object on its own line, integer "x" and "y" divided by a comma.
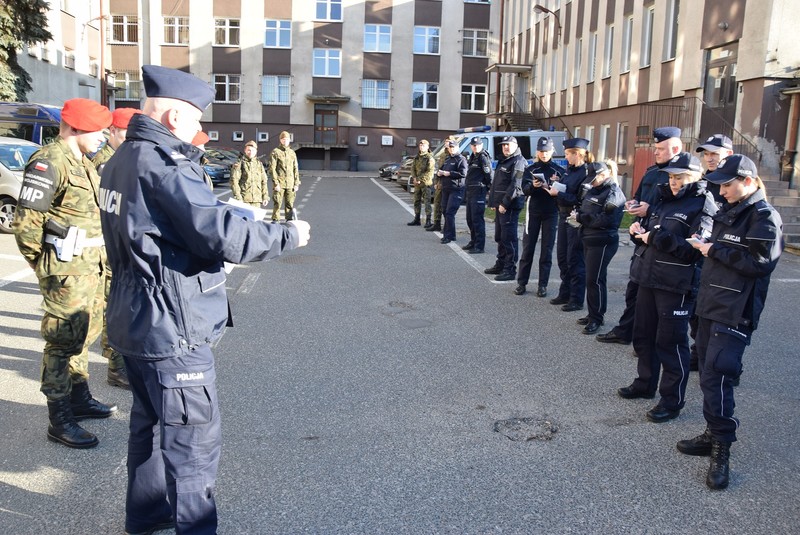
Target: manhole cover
{"x": 526, "y": 429}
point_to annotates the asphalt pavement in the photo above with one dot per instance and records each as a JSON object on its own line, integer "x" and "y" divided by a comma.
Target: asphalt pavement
{"x": 376, "y": 381}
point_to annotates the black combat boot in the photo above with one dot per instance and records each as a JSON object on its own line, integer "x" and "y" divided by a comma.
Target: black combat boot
{"x": 717, "y": 477}
{"x": 118, "y": 377}
{"x": 63, "y": 427}
{"x": 85, "y": 406}
{"x": 699, "y": 445}
{"x": 436, "y": 227}
{"x": 428, "y": 223}
{"x": 414, "y": 223}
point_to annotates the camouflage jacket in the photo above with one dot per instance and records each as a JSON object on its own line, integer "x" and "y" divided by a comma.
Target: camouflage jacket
{"x": 57, "y": 187}
{"x": 283, "y": 167}
{"x": 249, "y": 180}
{"x": 423, "y": 168}
{"x": 102, "y": 156}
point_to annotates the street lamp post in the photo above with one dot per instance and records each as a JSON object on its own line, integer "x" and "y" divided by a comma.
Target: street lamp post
{"x": 542, "y": 9}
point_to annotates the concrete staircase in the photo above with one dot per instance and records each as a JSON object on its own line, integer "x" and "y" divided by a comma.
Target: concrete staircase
{"x": 521, "y": 122}
{"x": 787, "y": 202}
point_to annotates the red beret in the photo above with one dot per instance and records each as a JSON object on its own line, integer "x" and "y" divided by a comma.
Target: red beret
{"x": 200, "y": 138}
{"x": 122, "y": 116}
{"x": 84, "y": 114}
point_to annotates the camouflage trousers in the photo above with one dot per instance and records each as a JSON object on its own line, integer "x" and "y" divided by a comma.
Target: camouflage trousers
{"x": 115, "y": 360}
{"x": 437, "y": 206}
{"x": 284, "y": 196}
{"x": 422, "y": 193}
{"x": 73, "y": 318}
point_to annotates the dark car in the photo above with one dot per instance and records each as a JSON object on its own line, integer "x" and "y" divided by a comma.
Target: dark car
{"x": 223, "y": 155}
{"x": 387, "y": 170}
{"x": 218, "y": 172}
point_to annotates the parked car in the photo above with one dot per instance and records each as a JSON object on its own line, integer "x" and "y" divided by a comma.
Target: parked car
{"x": 218, "y": 172}
{"x": 387, "y": 170}
{"x": 14, "y": 154}
{"x": 34, "y": 122}
{"x": 223, "y": 155}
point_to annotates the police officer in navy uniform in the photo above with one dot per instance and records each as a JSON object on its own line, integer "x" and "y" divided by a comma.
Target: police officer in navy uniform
{"x": 479, "y": 178}
{"x": 167, "y": 237}
{"x": 506, "y": 198}
{"x": 451, "y": 178}
{"x": 569, "y": 246}
{"x": 664, "y": 268}
{"x": 740, "y": 255}
{"x": 542, "y": 216}
{"x": 667, "y": 143}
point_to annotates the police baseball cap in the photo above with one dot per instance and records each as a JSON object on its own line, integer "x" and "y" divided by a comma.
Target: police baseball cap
{"x": 476, "y": 141}
{"x": 715, "y": 143}
{"x": 666, "y": 132}
{"x": 508, "y": 139}
{"x": 595, "y": 168}
{"x": 576, "y": 143}
{"x": 683, "y": 162}
{"x": 545, "y": 144}
{"x": 733, "y": 166}
{"x": 180, "y": 85}
{"x": 86, "y": 115}
{"x": 450, "y": 143}
{"x": 120, "y": 117}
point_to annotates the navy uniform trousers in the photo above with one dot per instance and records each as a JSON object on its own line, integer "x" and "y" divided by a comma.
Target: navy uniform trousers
{"x": 598, "y": 256}
{"x": 451, "y": 201}
{"x": 506, "y": 236}
{"x": 661, "y": 339}
{"x": 476, "y": 208}
{"x": 546, "y": 224}
{"x": 720, "y": 349}
{"x": 569, "y": 254}
{"x": 174, "y": 444}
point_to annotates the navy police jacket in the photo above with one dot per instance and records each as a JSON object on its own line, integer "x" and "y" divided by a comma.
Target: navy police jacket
{"x": 667, "y": 261}
{"x": 748, "y": 240}
{"x": 457, "y": 165}
{"x": 573, "y": 179}
{"x": 540, "y": 201}
{"x": 600, "y": 213}
{"x": 167, "y": 237}
{"x": 648, "y": 187}
{"x": 507, "y": 184}
{"x": 479, "y": 170}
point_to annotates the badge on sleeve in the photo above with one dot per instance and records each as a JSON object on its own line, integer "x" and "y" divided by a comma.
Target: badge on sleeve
{"x": 39, "y": 185}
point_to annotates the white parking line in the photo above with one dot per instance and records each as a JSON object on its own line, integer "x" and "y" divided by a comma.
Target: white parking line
{"x": 14, "y": 277}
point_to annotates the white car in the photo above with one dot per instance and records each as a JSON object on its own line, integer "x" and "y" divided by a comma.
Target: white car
{"x": 14, "y": 154}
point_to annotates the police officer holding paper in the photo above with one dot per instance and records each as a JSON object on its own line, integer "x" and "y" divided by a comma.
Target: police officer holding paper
{"x": 479, "y": 178}
{"x": 167, "y": 237}
{"x": 451, "y": 179}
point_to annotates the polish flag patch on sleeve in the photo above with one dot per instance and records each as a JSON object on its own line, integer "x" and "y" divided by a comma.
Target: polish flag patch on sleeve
{"x": 41, "y": 166}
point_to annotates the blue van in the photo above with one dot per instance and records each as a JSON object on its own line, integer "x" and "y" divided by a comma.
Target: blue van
{"x": 39, "y": 123}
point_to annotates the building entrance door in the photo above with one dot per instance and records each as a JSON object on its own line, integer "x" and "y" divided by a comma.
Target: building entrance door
{"x": 719, "y": 111}
{"x": 326, "y": 124}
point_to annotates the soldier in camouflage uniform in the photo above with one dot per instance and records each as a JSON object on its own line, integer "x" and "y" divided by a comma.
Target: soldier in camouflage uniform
{"x": 437, "y": 195}
{"x": 57, "y": 229}
{"x": 120, "y": 117}
{"x": 422, "y": 174}
{"x": 285, "y": 177}
{"x": 249, "y": 179}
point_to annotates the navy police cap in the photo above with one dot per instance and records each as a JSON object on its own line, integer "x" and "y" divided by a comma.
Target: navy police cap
{"x": 665, "y": 132}
{"x": 180, "y": 85}
{"x": 733, "y": 166}
{"x": 476, "y": 141}
{"x": 508, "y": 139}
{"x": 681, "y": 163}
{"x": 576, "y": 143}
{"x": 545, "y": 144}
{"x": 715, "y": 143}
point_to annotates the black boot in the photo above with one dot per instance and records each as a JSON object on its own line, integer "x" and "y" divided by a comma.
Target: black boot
{"x": 717, "y": 478}
{"x": 437, "y": 227}
{"x": 428, "y": 223}
{"x": 118, "y": 377}
{"x": 63, "y": 427}
{"x": 85, "y": 406}
{"x": 699, "y": 445}
{"x": 414, "y": 223}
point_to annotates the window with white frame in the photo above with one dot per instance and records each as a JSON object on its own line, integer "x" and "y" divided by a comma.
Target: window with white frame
{"x": 124, "y": 29}
{"x": 602, "y": 145}
{"x": 577, "y": 130}
{"x": 627, "y": 37}
{"x": 277, "y": 33}
{"x": 226, "y": 32}
{"x": 473, "y": 98}
{"x": 327, "y": 63}
{"x": 275, "y": 90}
{"x": 590, "y": 136}
{"x": 553, "y": 72}
{"x": 426, "y": 40}
{"x": 476, "y": 43}
{"x": 622, "y": 144}
{"x": 377, "y": 38}
{"x": 176, "y": 30}
{"x": 128, "y": 85}
{"x": 375, "y": 94}
{"x": 576, "y": 68}
{"x": 425, "y": 96}
{"x": 592, "y": 58}
{"x": 543, "y": 76}
{"x": 329, "y": 10}
{"x": 647, "y": 37}
{"x": 535, "y": 77}
{"x": 608, "y": 51}
{"x": 671, "y": 30}
{"x": 227, "y": 88}
{"x": 564, "y": 74}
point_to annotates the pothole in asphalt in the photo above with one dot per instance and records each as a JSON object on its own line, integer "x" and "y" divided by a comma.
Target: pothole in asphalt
{"x": 526, "y": 429}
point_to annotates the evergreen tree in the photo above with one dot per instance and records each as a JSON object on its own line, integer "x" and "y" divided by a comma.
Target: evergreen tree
{"x": 22, "y": 22}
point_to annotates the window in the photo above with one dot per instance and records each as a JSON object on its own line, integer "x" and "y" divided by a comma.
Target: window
{"x": 627, "y": 34}
{"x": 176, "y": 30}
{"x": 543, "y": 77}
{"x": 592, "y": 57}
{"x": 553, "y": 72}
{"x": 473, "y": 98}
{"x": 671, "y": 31}
{"x": 226, "y": 32}
{"x": 228, "y": 87}
{"x": 647, "y": 37}
{"x": 124, "y": 29}
{"x": 602, "y": 144}
{"x": 425, "y": 96}
{"x": 426, "y": 40}
{"x": 564, "y": 77}
{"x": 275, "y": 90}
{"x": 375, "y": 94}
{"x": 576, "y": 69}
{"x": 622, "y": 141}
{"x": 69, "y": 59}
{"x": 327, "y": 63}
{"x": 577, "y": 131}
{"x": 377, "y": 38}
{"x": 590, "y": 136}
{"x": 329, "y": 10}
{"x": 129, "y": 85}
{"x": 608, "y": 51}
{"x": 278, "y": 34}
{"x": 476, "y": 43}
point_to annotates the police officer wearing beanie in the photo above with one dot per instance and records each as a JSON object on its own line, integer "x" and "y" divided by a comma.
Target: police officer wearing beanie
{"x": 479, "y": 178}
{"x": 167, "y": 237}
{"x": 739, "y": 257}
{"x": 541, "y": 216}
{"x": 57, "y": 229}
{"x": 664, "y": 268}
{"x": 451, "y": 178}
